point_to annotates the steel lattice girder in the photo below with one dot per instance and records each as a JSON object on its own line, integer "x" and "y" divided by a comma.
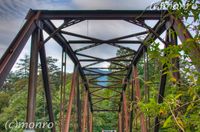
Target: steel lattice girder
{"x": 136, "y": 17}
{"x": 100, "y": 14}
{"x": 73, "y": 17}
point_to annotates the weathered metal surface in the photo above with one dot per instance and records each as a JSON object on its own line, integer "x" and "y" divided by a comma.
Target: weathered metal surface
{"x": 71, "y": 97}
{"x": 47, "y": 88}
{"x": 10, "y": 56}
{"x": 32, "y": 84}
{"x": 101, "y": 14}
{"x": 138, "y": 98}
{"x": 86, "y": 72}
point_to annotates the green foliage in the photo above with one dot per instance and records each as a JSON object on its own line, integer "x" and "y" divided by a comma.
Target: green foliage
{"x": 13, "y": 101}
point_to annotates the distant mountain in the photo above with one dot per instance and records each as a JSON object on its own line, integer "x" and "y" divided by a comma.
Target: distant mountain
{"x": 103, "y": 78}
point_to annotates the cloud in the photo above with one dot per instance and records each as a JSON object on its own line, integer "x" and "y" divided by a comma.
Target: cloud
{"x": 113, "y": 4}
{"x": 8, "y": 30}
{"x": 13, "y": 12}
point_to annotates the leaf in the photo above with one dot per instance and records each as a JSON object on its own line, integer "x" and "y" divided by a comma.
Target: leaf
{"x": 177, "y": 96}
{"x": 194, "y": 97}
{"x": 167, "y": 122}
{"x": 189, "y": 108}
{"x": 173, "y": 79}
{"x": 180, "y": 122}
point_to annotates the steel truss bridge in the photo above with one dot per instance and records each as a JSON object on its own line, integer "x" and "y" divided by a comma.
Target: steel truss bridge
{"x": 86, "y": 76}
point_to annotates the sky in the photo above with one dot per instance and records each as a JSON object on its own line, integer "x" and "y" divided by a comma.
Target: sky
{"x": 13, "y": 12}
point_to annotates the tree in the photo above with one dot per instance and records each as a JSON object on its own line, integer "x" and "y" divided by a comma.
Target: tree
{"x": 23, "y": 67}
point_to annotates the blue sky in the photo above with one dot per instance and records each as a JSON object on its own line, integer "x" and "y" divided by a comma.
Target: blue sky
{"x": 13, "y": 12}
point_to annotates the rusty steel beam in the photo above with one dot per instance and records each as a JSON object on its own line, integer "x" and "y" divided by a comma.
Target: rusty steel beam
{"x": 119, "y": 122}
{"x": 96, "y": 81}
{"x": 62, "y": 89}
{"x": 91, "y": 122}
{"x": 184, "y": 35}
{"x": 46, "y": 84}
{"x": 95, "y": 63}
{"x": 71, "y": 96}
{"x": 135, "y": 22}
{"x": 138, "y": 98}
{"x": 88, "y": 118}
{"x": 122, "y": 116}
{"x": 65, "y": 24}
{"x": 113, "y": 77}
{"x": 100, "y": 14}
{"x": 32, "y": 84}
{"x": 79, "y": 35}
{"x": 153, "y": 32}
{"x": 124, "y": 42}
{"x": 54, "y": 32}
{"x": 96, "y": 84}
{"x": 106, "y": 98}
{"x": 103, "y": 60}
{"x": 161, "y": 95}
{"x": 100, "y": 100}
{"x": 163, "y": 80}
{"x": 78, "y": 103}
{"x": 105, "y": 87}
{"x": 173, "y": 40}
{"x": 50, "y": 28}
{"x": 109, "y": 42}
{"x": 112, "y": 68}
{"x": 95, "y": 74}
{"x": 146, "y": 87}
{"x": 10, "y": 56}
{"x": 159, "y": 28}
{"x": 132, "y": 99}
{"x": 129, "y": 36}
{"x": 85, "y": 111}
{"x": 118, "y": 58}
{"x": 95, "y": 91}
{"x": 126, "y": 114}
{"x": 105, "y": 110}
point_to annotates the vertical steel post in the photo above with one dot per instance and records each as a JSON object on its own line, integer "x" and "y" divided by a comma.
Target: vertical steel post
{"x": 146, "y": 88}
{"x": 85, "y": 109}
{"x": 192, "y": 47}
{"x": 122, "y": 115}
{"x": 47, "y": 88}
{"x": 32, "y": 85}
{"x": 161, "y": 96}
{"x": 71, "y": 96}
{"x": 132, "y": 99}
{"x": 138, "y": 97}
{"x": 175, "y": 61}
{"x": 120, "y": 122}
{"x": 88, "y": 117}
{"x": 78, "y": 105}
{"x": 63, "y": 89}
{"x": 162, "y": 86}
{"x": 125, "y": 109}
{"x": 91, "y": 122}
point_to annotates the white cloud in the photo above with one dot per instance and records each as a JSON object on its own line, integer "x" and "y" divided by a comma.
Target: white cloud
{"x": 12, "y": 13}
{"x": 113, "y": 4}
